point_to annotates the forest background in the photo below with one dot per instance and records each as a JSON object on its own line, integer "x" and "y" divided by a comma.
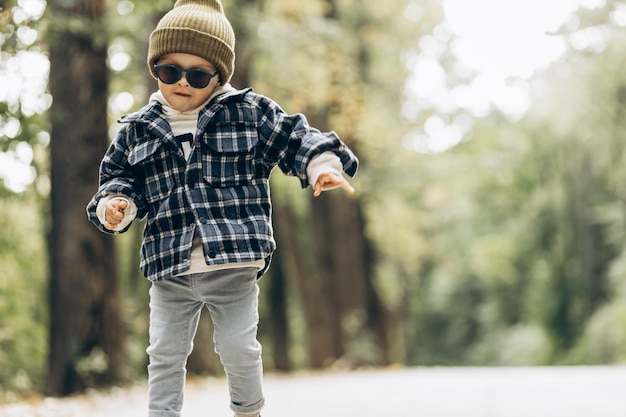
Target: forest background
{"x": 492, "y": 236}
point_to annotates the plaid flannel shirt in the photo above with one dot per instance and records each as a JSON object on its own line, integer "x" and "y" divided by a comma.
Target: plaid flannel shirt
{"x": 221, "y": 191}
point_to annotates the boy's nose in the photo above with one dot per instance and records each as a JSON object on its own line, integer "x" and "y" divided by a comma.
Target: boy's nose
{"x": 183, "y": 79}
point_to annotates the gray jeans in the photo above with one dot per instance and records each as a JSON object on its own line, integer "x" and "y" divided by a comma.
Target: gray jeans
{"x": 231, "y": 296}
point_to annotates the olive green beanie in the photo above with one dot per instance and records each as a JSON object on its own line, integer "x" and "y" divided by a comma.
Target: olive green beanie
{"x": 197, "y": 27}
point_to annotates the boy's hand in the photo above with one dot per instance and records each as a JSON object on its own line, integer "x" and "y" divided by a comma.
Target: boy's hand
{"x": 114, "y": 213}
{"x": 327, "y": 181}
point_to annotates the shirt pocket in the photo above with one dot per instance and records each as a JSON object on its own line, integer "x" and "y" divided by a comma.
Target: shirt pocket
{"x": 155, "y": 162}
{"x": 230, "y": 157}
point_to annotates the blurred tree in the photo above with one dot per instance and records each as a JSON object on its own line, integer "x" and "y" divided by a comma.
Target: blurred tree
{"x": 526, "y": 217}
{"x": 23, "y": 139}
{"x": 338, "y": 63}
{"x": 23, "y": 100}
{"x": 85, "y": 340}
{"x": 591, "y": 151}
{"x": 23, "y": 316}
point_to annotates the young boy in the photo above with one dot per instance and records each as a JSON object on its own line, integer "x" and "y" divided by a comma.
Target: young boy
{"x": 196, "y": 162}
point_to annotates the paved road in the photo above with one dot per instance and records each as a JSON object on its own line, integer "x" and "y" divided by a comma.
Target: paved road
{"x": 415, "y": 392}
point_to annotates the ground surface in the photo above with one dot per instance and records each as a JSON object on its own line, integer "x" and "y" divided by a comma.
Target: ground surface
{"x": 415, "y": 392}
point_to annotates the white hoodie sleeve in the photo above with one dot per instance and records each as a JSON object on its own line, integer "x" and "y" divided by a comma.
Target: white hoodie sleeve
{"x": 129, "y": 213}
{"x": 327, "y": 162}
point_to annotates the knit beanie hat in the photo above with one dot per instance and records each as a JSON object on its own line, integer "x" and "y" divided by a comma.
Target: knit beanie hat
{"x": 197, "y": 27}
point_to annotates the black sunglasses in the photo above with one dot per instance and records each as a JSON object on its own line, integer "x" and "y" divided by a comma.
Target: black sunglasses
{"x": 197, "y": 78}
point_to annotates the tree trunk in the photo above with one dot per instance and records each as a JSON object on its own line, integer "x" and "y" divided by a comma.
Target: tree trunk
{"x": 279, "y": 322}
{"x": 301, "y": 271}
{"x": 85, "y": 341}
{"x": 345, "y": 258}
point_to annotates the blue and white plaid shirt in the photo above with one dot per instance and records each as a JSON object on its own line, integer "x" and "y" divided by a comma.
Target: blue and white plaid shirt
{"x": 221, "y": 191}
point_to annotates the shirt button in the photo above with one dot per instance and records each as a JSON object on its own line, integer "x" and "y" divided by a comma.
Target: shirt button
{"x": 212, "y": 254}
{"x": 203, "y": 220}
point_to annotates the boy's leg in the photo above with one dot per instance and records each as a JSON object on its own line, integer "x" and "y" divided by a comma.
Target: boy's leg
{"x": 174, "y": 315}
{"x": 231, "y": 296}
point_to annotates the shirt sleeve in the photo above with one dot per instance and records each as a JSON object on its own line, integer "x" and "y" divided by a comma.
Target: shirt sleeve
{"x": 291, "y": 143}
{"x": 117, "y": 178}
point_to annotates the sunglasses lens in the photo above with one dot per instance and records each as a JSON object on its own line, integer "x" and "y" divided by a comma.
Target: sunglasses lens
{"x": 198, "y": 78}
{"x": 168, "y": 74}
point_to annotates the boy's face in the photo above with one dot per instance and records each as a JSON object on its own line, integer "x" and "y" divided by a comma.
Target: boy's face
{"x": 180, "y": 94}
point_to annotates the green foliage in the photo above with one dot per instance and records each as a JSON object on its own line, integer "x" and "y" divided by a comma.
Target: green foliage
{"x": 23, "y": 313}
{"x": 24, "y": 100}
{"x": 536, "y": 231}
